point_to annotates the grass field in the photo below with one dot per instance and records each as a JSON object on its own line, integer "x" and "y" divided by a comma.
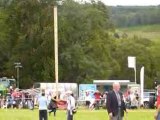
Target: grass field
{"x": 147, "y": 31}
{"x": 15, "y": 114}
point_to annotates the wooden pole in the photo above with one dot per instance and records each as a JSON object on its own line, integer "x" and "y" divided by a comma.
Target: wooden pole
{"x": 135, "y": 76}
{"x": 56, "y": 47}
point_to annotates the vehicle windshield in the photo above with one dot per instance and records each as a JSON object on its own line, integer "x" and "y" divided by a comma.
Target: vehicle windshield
{"x": 149, "y": 94}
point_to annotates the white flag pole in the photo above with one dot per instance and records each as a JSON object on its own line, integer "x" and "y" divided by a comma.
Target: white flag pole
{"x": 142, "y": 84}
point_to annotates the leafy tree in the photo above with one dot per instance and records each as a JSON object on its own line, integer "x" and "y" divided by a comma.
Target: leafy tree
{"x": 84, "y": 42}
{"x": 87, "y": 49}
{"x": 140, "y": 48}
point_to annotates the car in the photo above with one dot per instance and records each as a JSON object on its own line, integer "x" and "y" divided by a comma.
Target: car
{"x": 149, "y": 99}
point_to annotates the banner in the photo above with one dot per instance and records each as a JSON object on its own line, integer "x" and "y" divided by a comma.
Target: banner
{"x": 142, "y": 84}
{"x": 131, "y": 62}
{"x": 86, "y": 90}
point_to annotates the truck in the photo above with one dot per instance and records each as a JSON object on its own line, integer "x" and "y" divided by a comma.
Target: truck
{"x": 5, "y": 83}
{"x": 149, "y": 98}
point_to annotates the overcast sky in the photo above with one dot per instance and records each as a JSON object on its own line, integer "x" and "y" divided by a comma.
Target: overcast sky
{"x": 131, "y": 2}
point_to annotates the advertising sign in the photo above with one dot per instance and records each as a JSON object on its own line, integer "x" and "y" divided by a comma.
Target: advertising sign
{"x": 86, "y": 91}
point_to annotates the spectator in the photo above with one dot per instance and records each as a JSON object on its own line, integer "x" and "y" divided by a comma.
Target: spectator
{"x": 70, "y": 105}
{"x": 97, "y": 95}
{"x": 53, "y": 106}
{"x": 157, "y": 114}
{"x": 87, "y": 98}
{"x": 42, "y": 102}
{"x": 128, "y": 100}
{"x": 92, "y": 102}
{"x": 104, "y": 99}
{"x": 115, "y": 103}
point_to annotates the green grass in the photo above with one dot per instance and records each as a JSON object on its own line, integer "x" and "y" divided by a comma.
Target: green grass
{"x": 147, "y": 31}
{"x": 15, "y": 114}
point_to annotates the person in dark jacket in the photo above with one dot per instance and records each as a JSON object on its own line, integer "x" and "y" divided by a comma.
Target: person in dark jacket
{"x": 53, "y": 106}
{"x": 115, "y": 104}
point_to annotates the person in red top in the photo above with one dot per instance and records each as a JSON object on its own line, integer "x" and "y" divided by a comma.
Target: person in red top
{"x": 157, "y": 114}
{"x": 97, "y": 96}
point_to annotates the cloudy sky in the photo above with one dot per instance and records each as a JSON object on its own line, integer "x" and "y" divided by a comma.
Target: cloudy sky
{"x": 131, "y": 2}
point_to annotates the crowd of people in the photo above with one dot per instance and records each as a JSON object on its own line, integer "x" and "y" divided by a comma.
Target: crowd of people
{"x": 14, "y": 98}
{"x": 114, "y": 101}
{"x": 131, "y": 99}
{"x": 97, "y": 99}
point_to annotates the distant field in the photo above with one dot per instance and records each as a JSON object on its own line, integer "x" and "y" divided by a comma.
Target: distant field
{"x": 147, "y": 31}
{"x": 14, "y": 114}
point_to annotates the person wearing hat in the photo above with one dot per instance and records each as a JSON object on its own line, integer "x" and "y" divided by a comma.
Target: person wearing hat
{"x": 70, "y": 105}
{"x": 42, "y": 102}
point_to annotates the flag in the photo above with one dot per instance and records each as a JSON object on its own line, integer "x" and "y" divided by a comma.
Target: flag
{"x": 131, "y": 62}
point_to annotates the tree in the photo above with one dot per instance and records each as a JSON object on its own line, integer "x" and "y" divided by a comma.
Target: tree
{"x": 84, "y": 42}
{"x": 140, "y": 48}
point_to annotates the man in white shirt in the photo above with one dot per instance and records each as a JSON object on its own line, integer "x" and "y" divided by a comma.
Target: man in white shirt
{"x": 42, "y": 102}
{"x": 70, "y": 105}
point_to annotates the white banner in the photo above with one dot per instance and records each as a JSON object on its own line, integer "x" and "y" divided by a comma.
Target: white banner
{"x": 131, "y": 62}
{"x": 142, "y": 84}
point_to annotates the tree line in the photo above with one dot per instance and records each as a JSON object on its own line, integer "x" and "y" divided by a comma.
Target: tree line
{"x": 88, "y": 48}
{"x": 125, "y": 16}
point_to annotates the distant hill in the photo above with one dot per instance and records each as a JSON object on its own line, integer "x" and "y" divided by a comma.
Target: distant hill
{"x": 146, "y": 31}
{"x": 126, "y": 16}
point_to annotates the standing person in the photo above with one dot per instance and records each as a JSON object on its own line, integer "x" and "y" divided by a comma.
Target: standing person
{"x": 42, "y": 102}
{"x": 97, "y": 96}
{"x": 53, "y": 106}
{"x": 92, "y": 102}
{"x": 87, "y": 98}
{"x": 157, "y": 114}
{"x": 70, "y": 105}
{"x": 115, "y": 103}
